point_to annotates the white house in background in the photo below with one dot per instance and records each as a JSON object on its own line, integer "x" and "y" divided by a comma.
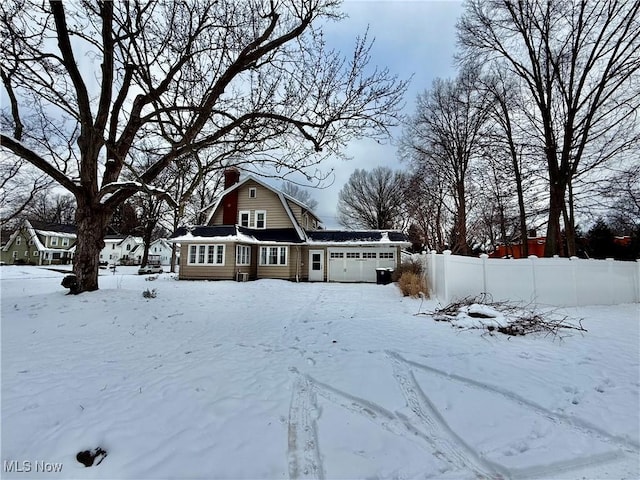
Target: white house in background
{"x": 122, "y": 250}
{"x": 162, "y": 248}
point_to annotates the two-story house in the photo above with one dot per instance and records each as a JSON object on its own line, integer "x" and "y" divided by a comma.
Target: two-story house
{"x": 122, "y": 250}
{"x": 161, "y": 249}
{"x": 256, "y": 231}
{"x": 40, "y": 243}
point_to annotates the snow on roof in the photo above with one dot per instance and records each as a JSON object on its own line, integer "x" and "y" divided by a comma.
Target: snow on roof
{"x": 52, "y": 233}
{"x": 235, "y": 233}
{"x": 332, "y": 237}
{"x": 230, "y": 233}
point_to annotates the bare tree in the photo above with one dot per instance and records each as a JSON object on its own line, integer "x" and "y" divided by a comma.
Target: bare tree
{"x": 373, "y": 199}
{"x": 507, "y": 147}
{"x": 299, "y": 193}
{"x": 94, "y": 81}
{"x": 579, "y": 63}
{"x": 445, "y": 132}
{"x": 624, "y": 191}
{"x": 20, "y": 185}
{"x": 426, "y": 204}
{"x": 50, "y": 207}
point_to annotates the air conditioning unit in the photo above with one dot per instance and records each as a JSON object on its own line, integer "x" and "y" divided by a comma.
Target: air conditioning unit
{"x": 242, "y": 277}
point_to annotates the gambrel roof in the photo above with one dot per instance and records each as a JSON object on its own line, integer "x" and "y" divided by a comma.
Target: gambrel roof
{"x": 282, "y": 196}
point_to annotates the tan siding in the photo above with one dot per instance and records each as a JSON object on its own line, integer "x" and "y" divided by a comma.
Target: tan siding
{"x": 304, "y": 269}
{"x": 217, "y": 216}
{"x": 297, "y": 212}
{"x": 265, "y": 200}
{"x": 305, "y": 259}
{"x": 212, "y": 272}
{"x": 288, "y": 271}
{"x": 250, "y": 269}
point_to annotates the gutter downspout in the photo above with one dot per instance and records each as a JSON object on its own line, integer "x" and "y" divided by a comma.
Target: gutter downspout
{"x": 298, "y": 264}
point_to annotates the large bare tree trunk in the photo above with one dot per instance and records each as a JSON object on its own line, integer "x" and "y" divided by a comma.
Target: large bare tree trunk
{"x": 462, "y": 245}
{"x": 554, "y": 243}
{"x": 91, "y": 224}
{"x": 523, "y": 218}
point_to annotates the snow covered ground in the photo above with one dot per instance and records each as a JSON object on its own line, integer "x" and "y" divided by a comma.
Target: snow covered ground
{"x": 271, "y": 379}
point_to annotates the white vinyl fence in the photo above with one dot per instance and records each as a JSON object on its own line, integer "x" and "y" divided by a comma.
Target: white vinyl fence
{"x": 546, "y": 281}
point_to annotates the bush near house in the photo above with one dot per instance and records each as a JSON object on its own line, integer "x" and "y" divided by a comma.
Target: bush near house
{"x": 410, "y": 279}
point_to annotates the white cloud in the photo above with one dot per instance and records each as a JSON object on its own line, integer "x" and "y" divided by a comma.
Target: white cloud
{"x": 412, "y": 38}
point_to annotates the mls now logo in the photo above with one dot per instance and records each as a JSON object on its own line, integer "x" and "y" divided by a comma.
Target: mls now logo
{"x": 28, "y": 466}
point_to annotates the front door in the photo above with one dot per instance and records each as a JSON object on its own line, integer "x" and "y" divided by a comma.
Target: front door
{"x": 316, "y": 265}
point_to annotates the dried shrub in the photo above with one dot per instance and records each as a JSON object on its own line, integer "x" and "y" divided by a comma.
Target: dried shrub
{"x": 149, "y": 293}
{"x": 411, "y": 284}
{"x": 410, "y": 266}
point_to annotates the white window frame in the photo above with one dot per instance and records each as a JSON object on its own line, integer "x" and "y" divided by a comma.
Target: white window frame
{"x": 30, "y": 242}
{"x": 253, "y": 192}
{"x": 36, "y": 253}
{"x": 18, "y": 240}
{"x": 206, "y": 255}
{"x": 248, "y": 214}
{"x": 386, "y": 255}
{"x": 353, "y": 255}
{"x": 243, "y": 255}
{"x": 281, "y": 256}
{"x": 65, "y": 242}
{"x": 15, "y": 254}
{"x": 257, "y": 213}
{"x": 26, "y": 253}
{"x": 53, "y": 241}
{"x": 369, "y": 255}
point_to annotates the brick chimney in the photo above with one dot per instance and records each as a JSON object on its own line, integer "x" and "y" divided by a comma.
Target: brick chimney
{"x": 231, "y": 177}
{"x": 230, "y": 200}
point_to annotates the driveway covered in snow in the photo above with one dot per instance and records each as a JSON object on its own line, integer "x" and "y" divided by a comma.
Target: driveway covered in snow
{"x": 271, "y": 379}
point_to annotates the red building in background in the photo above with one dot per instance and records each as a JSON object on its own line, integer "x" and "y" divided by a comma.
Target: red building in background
{"x": 536, "y": 247}
{"x": 534, "y": 244}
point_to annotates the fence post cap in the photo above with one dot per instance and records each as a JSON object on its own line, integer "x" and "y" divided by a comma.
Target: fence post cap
{"x": 609, "y": 259}
{"x": 433, "y": 252}
{"x": 447, "y": 252}
{"x": 532, "y": 256}
{"x": 574, "y": 258}
{"x": 556, "y": 256}
{"x": 484, "y": 255}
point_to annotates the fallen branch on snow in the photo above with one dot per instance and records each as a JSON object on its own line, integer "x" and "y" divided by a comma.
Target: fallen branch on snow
{"x": 476, "y": 313}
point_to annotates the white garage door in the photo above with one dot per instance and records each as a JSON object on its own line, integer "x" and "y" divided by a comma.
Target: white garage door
{"x": 358, "y": 264}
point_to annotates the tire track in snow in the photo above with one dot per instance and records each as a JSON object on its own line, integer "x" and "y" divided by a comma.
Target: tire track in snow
{"x": 386, "y": 420}
{"x": 555, "y": 417}
{"x": 556, "y": 468}
{"x": 447, "y": 442}
{"x": 303, "y": 450}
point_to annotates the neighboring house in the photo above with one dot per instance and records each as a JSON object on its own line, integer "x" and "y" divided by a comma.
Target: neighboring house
{"x": 122, "y": 250}
{"x": 162, "y": 248}
{"x": 40, "y": 243}
{"x": 255, "y": 231}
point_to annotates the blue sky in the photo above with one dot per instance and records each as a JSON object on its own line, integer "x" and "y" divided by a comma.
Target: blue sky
{"x": 411, "y": 38}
